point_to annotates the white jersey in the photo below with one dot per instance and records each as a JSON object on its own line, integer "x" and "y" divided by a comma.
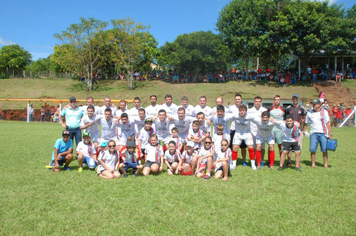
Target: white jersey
{"x": 219, "y": 154}
{"x": 88, "y": 150}
{"x": 234, "y": 110}
{"x": 112, "y": 107}
{"x": 109, "y": 159}
{"x": 187, "y": 158}
{"x": 289, "y": 134}
{"x": 130, "y": 158}
{"x": 175, "y": 157}
{"x": 206, "y": 110}
{"x": 119, "y": 112}
{"x": 182, "y": 125}
{"x": 133, "y": 112}
{"x": 189, "y": 111}
{"x": 225, "y": 120}
{"x": 139, "y": 124}
{"x": 203, "y": 151}
{"x": 93, "y": 130}
{"x": 152, "y": 111}
{"x": 85, "y": 109}
{"x": 177, "y": 140}
{"x": 257, "y": 114}
{"x": 125, "y": 130}
{"x": 108, "y": 129}
{"x": 218, "y": 138}
{"x": 199, "y": 134}
{"x": 214, "y": 109}
{"x": 242, "y": 124}
{"x": 318, "y": 121}
{"x": 264, "y": 130}
{"x": 162, "y": 128}
{"x": 154, "y": 153}
{"x": 144, "y": 136}
{"x": 204, "y": 127}
{"x": 170, "y": 110}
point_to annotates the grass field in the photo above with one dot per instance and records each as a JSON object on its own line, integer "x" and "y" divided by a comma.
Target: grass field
{"x": 36, "y": 201}
{"x": 64, "y": 88}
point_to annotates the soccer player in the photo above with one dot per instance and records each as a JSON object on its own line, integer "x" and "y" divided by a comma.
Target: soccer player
{"x": 202, "y": 107}
{"x": 277, "y": 112}
{"x": 169, "y": 107}
{"x": 134, "y": 112}
{"x": 152, "y": 110}
{"x": 161, "y": 124}
{"x": 62, "y": 153}
{"x": 109, "y": 161}
{"x": 189, "y": 109}
{"x": 182, "y": 122}
{"x": 196, "y": 135}
{"x": 90, "y": 124}
{"x": 108, "y": 127}
{"x": 122, "y": 109}
{"x": 174, "y": 137}
{"x": 171, "y": 158}
{"x": 219, "y": 136}
{"x": 222, "y": 161}
{"x": 222, "y": 118}
{"x": 320, "y": 130}
{"x": 125, "y": 129}
{"x": 291, "y": 141}
{"x": 205, "y": 160}
{"x": 131, "y": 160}
{"x": 185, "y": 163}
{"x": 108, "y": 104}
{"x": 243, "y": 133}
{"x": 143, "y": 137}
{"x": 204, "y": 123}
{"x": 154, "y": 157}
{"x": 90, "y": 102}
{"x": 86, "y": 152}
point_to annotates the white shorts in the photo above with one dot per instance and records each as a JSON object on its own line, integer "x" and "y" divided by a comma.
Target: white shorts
{"x": 247, "y": 137}
{"x": 261, "y": 140}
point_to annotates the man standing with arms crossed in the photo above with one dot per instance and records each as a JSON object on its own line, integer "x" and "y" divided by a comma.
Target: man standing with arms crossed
{"x": 72, "y": 114}
{"x": 320, "y": 130}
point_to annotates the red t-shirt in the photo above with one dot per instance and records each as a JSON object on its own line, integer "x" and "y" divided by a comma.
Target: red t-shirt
{"x": 348, "y": 112}
{"x": 339, "y": 114}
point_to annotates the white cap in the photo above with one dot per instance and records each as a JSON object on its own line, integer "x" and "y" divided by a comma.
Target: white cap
{"x": 190, "y": 144}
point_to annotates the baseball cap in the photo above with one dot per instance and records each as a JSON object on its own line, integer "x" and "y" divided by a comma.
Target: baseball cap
{"x": 295, "y": 95}
{"x": 72, "y": 98}
{"x": 103, "y": 144}
{"x": 316, "y": 101}
{"x": 65, "y": 132}
{"x": 131, "y": 144}
{"x": 86, "y": 134}
{"x": 190, "y": 144}
{"x": 149, "y": 120}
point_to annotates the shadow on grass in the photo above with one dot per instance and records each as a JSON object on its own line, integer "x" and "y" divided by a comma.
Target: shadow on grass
{"x": 308, "y": 163}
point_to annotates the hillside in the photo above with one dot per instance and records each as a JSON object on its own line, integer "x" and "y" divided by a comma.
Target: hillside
{"x": 64, "y": 88}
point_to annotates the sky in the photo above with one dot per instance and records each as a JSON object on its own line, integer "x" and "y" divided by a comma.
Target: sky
{"x": 32, "y": 24}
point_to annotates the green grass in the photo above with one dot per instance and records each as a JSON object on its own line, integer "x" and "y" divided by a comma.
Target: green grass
{"x": 36, "y": 201}
{"x": 64, "y": 88}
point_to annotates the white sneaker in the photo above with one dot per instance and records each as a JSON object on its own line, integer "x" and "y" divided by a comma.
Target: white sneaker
{"x": 254, "y": 167}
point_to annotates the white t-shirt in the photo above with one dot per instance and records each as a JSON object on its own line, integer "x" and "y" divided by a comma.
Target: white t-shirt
{"x": 85, "y": 109}
{"x": 221, "y": 155}
{"x": 144, "y": 136}
{"x": 139, "y": 124}
{"x": 108, "y": 129}
{"x": 234, "y": 110}
{"x": 154, "y": 153}
{"x": 113, "y": 109}
{"x": 119, "y": 112}
{"x": 257, "y": 115}
{"x": 152, "y": 111}
{"x": 189, "y": 110}
{"x": 225, "y": 120}
{"x": 242, "y": 124}
{"x": 93, "y": 130}
{"x": 170, "y": 110}
{"x": 206, "y": 110}
{"x": 182, "y": 125}
{"x": 109, "y": 159}
{"x": 133, "y": 112}
{"x": 125, "y": 130}
{"x": 175, "y": 157}
{"x": 187, "y": 158}
{"x": 162, "y": 128}
{"x": 88, "y": 150}
{"x": 199, "y": 134}
{"x": 315, "y": 120}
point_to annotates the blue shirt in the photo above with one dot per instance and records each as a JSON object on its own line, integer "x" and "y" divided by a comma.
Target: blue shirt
{"x": 62, "y": 146}
{"x": 72, "y": 117}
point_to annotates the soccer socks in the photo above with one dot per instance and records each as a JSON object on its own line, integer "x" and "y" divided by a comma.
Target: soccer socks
{"x": 258, "y": 157}
{"x": 252, "y": 154}
{"x": 271, "y": 155}
{"x": 234, "y": 156}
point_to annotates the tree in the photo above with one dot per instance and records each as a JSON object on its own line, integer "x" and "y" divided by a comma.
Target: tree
{"x": 195, "y": 52}
{"x": 81, "y": 48}
{"x": 13, "y": 57}
{"x": 241, "y": 29}
{"x": 131, "y": 45}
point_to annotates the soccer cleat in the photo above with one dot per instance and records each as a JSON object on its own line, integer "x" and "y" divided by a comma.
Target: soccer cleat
{"x": 244, "y": 163}
{"x": 206, "y": 177}
{"x": 80, "y": 169}
{"x": 271, "y": 168}
{"x": 258, "y": 167}
{"x": 280, "y": 169}
{"x": 298, "y": 169}
{"x": 66, "y": 168}
{"x": 125, "y": 175}
{"x": 253, "y": 167}
{"x": 262, "y": 164}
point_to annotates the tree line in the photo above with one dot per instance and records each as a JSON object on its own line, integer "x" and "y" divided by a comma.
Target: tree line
{"x": 271, "y": 30}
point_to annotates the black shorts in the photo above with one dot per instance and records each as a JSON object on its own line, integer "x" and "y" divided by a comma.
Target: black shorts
{"x": 290, "y": 146}
{"x": 243, "y": 144}
{"x": 149, "y": 163}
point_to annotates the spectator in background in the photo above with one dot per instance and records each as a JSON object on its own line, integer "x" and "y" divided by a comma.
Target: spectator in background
{"x": 31, "y": 112}
{"x": 43, "y": 112}
{"x": 347, "y": 113}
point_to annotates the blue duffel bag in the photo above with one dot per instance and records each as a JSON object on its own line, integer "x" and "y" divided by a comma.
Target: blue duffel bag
{"x": 331, "y": 144}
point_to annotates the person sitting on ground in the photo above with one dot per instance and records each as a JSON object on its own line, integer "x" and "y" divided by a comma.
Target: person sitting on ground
{"x": 109, "y": 161}
{"x": 131, "y": 160}
{"x": 62, "y": 153}
{"x": 86, "y": 152}
{"x": 154, "y": 157}
{"x": 185, "y": 163}
{"x": 171, "y": 158}
{"x": 205, "y": 159}
{"x": 222, "y": 161}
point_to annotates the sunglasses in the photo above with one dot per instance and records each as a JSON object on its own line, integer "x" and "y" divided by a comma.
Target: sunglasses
{"x": 73, "y": 101}
{"x": 224, "y": 145}
{"x": 111, "y": 146}
{"x": 208, "y": 142}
